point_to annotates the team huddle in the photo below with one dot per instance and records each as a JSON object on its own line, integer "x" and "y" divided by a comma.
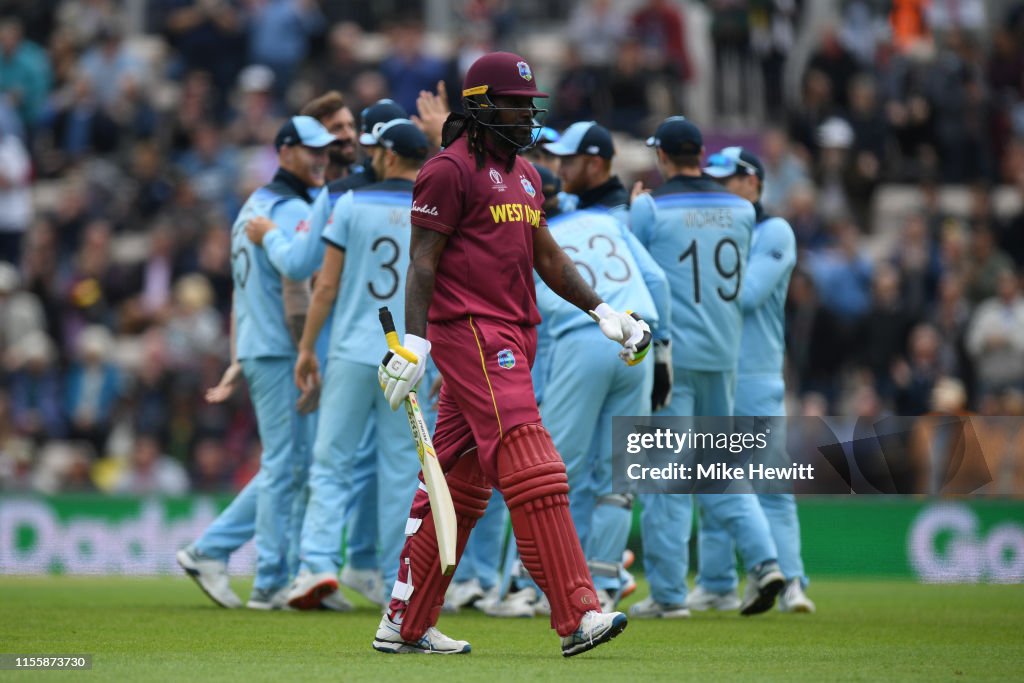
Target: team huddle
{"x": 496, "y": 270}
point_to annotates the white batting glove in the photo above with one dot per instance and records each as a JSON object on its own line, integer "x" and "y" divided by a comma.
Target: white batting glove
{"x": 627, "y": 329}
{"x": 402, "y": 369}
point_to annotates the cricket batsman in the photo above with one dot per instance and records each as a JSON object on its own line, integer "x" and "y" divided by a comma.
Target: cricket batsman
{"x": 478, "y": 233}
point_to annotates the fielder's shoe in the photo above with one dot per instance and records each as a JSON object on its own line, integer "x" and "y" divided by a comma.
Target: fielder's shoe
{"x": 309, "y": 589}
{"x": 268, "y": 599}
{"x": 366, "y": 582}
{"x": 210, "y": 575}
{"x": 793, "y": 599}
{"x": 595, "y": 628}
{"x": 764, "y": 583}
{"x": 464, "y": 593}
{"x": 702, "y": 599}
{"x": 515, "y": 605}
{"x": 628, "y": 558}
{"x": 491, "y": 597}
{"x": 649, "y": 608}
{"x": 336, "y": 602}
{"x": 628, "y": 584}
{"x": 433, "y": 642}
{"x": 541, "y": 607}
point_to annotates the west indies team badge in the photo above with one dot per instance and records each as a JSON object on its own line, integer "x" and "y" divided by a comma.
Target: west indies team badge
{"x": 506, "y": 359}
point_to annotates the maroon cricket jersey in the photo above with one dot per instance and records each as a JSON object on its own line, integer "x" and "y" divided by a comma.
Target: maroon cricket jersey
{"x": 489, "y": 215}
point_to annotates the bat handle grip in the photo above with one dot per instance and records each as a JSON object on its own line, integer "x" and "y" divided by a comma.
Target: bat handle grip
{"x": 386, "y": 321}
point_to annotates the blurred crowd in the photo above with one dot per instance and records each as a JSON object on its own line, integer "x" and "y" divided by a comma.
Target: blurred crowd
{"x": 124, "y": 156}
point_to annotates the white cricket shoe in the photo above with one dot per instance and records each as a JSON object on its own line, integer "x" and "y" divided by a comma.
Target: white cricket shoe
{"x": 516, "y": 605}
{"x": 210, "y": 575}
{"x": 491, "y": 597}
{"x": 433, "y": 642}
{"x": 308, "y": 589}
{"x": 366, "y": 582}
{"x": 595, "y": 628}
{"x": 464, "y": 593}
{"x": 263, "y": 599}
{"x": 764, "y": 583}
{"x": 701, "y": 600}
{"x": 649, "y": 608}
{"x": 793, "y": 599}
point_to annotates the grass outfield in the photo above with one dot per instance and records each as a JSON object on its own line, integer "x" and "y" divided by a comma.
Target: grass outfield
{"x": 165, "y": 630}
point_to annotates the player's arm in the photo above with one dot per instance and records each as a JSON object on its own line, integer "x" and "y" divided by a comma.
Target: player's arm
{"x": 425, "y": 248}
{"x": 325, "y": 292}
{"x": 559, "y": 273}
{"x": 770, "y": 260}
{"x": 298, "y": 257}
{"x": 229, "y": 380}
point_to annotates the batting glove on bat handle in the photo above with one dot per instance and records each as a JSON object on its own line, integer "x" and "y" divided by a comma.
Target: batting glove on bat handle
{"x": 403, "y": 365}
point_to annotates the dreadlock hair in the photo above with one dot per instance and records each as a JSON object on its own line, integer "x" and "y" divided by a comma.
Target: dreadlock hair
{"x": 458, "y": 124}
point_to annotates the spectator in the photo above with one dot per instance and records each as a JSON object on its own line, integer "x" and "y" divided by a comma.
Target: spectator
{"x": 995, "y": 337}
{"x": 659, "y": 27}
{"x": 783, "y": 170}
{"x": 93, "y": 388}
{"x": 64, "y": 467}
{"x": 915, "y": 378}
{"x": 409, "y": 69}
{"x": 802, "y": 214}
{"x": 21, "y": 314}
{"x": 629, "y": 108}
{"x": 15, "y": 196}
{"x": 149, "y": 471}
{"x": 772, "y": 34}
{"x": 279, "y": 35}
{"x": 212, "y": 168}
{"x": 843, "y": 275}
{"x": 15, "y": 452}
{"x": 917, "y": 260}
{"x": 986, "y": 262}
{"x": 814, "y": 342}
{"x": 210, "y": 467}
{"x": 882, "y": 336}
{"x": 111, "y": 68}
{"x": 816, "y": 107}
{"x": 256, "y": 121}
{"x": 596, "y": 29}
{"x": 24, "y": 72}
{"x": 837, "y": 64}
{"x": 949, "y": 317}
{"x": 35, "y": 389}
{"x": 194, "y": 328}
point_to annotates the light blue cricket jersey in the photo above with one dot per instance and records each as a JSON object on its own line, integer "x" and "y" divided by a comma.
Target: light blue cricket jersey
{"x": 371, "y": 224}
{"x": 771, "y": 262}
{"x": 261, "y": 331}
{"x": 297, "y": 254}
{"x": 613, "y": 262}
{"x": 700, "y": 235}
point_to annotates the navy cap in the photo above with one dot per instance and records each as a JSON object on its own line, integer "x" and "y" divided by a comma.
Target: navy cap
{"x": 583, "y": 137}
{"x": 303, "y": 130}
{"x": 380, "y": 111}
{"x": 677, "y": 135}
{"x": 548, "y": 179}
{"x": 733, "y": 160}
{"x": 402, "y": 137}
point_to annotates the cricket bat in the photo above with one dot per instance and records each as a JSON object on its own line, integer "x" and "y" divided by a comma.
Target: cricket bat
{"x": 433, "y": 477}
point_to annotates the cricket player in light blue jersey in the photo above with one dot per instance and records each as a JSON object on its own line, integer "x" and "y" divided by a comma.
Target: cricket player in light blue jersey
{"x": 268, "y": 313}
{"x": 700, "y": 235}
{"x": 761, "y": 389}
{"x": 363, "y": 269}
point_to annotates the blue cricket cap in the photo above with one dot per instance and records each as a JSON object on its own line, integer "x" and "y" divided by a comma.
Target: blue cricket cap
{"x": 380, "y": 111}
{"x": 545, "y": 134}
{"x": 402, "y": 137}
{"x": 677, "y": 135}
{"x": 583, "y": 137}
{"x": 303, "y": 130}
{"x": 733, "y": 160}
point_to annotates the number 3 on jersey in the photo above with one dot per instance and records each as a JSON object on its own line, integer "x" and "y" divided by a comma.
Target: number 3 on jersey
{"x": 727, "y": 263}
{"x": 392, "y": 253}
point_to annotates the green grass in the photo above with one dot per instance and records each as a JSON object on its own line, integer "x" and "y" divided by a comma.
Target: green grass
{"x": 165, "y": 630}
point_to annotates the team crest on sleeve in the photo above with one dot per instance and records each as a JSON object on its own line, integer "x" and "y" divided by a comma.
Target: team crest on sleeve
{"x": 528, "y": 186}
{"x": 524, "y": 71}
{"x": 506, "y": 359}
